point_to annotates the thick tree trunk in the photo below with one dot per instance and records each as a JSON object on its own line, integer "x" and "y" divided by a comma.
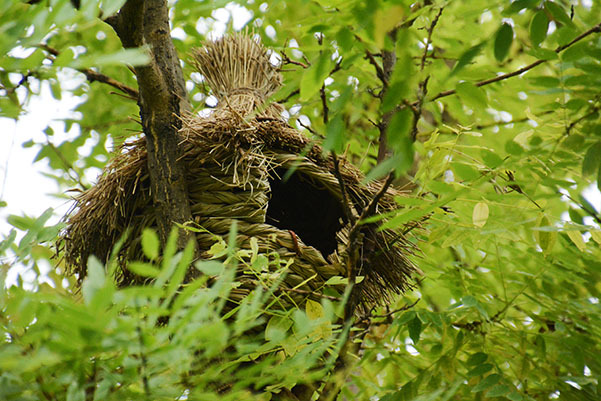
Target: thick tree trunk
{"x": 162, "y": 99}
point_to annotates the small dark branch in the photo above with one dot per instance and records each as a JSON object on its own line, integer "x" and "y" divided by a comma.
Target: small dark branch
{"x": 45, "y": 393}
{"x": 92, "y": 76}
{"x": 594, "y": 110}
{"x": 345, "y": 200}
{"x": 92, "y": 382}
{"x": 290, "y": 95}
{"x": 311, "y": 130}
{"x": 422, "y": 91}
{"x": 592, "y": 213}
{"x": 389, "y": 314}
{"x": 305, "y": 292}
{"x": 429, "y": 38}
{"x": 337, "y": 67}
{"x": 370, "y": 209}
{"x": 595, "y": 29}
{"x": 514, "y": 121}
{"x": 68, "y": 166}
{"x": 287, "y": 61}
{"x": 143, "y": 360}
{"x": 22, "y": 81}
{"x": 379, "y": 71}
{"x": 501, "y": 123}
{"x": 324, "y": 103}
{"x": 388, "y": 63}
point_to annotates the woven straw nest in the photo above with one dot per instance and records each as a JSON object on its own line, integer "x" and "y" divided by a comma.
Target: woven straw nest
{"x": 238, "y": 162}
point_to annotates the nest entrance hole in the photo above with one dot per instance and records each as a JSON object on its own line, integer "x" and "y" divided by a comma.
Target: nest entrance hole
{"x": 313, "y": 213}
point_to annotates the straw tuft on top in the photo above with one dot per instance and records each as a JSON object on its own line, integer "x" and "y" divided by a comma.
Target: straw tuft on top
{"x": 238, "y": 70}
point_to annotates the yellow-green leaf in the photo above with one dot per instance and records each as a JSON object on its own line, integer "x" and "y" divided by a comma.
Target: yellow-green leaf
{"x": 576, "y": 238}
{"x": 596, "y": 235}
{"x": 314, "y": 309}
{"x": 545, "y": 239}
{"x": 473, "y": 96}
{"x": 480, "y": 215}
{"x": 150, "y": 244}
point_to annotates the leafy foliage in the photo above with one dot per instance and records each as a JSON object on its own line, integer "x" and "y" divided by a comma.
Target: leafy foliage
{"x": 492, "y": 113}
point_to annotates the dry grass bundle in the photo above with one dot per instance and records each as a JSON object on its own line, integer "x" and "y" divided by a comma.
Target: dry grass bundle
{"x": 236, "y": 160}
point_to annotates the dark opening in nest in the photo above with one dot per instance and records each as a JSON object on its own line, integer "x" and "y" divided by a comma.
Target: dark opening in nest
{"x": 311, "y": 212}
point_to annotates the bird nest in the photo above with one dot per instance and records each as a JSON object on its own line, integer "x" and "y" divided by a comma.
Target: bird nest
{"x": 244, "y": 162}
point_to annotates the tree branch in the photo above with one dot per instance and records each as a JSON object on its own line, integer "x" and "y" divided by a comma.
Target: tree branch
{"x": 162, "y": 100}
{"x": 92, "y": 76}
{"x": 595, "y": 29}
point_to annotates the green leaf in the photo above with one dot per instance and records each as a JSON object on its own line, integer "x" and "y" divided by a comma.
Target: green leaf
{"x": 314, "y": 310}
{"x": 134, "y": 57}
{"x": 514, "y": 396}
{"x": 480, "y": 370}
{"x": 335, "y": 135}
{"x": 498, "y": 391}
{"x": 110, "y": 7}
{"x": 488, "y": 382}
{"x": 143, "y": 269}
{"x": 314, "y": 76}
{"x": 94, "y": 280}
{"x": 399, "y": 136}
{"x": 7, "y": 242}
{"x": 538, "y": 28}
{"x": 545, "y": 239}
{"x": 473, "y": 96}
{"x": 576, "y": 237}
{"x": 491, "y": 159}
{"x": 415, "y": 329}
{"x": 503, "y": 40}
{"x": 150, "y": 243}
{"x": 277, "y": 327}
{"x": 467, "y": 57}
{"x": 480, "y": 214}
{"x": 543, "y": 54}
{"x": 477, "y": 359}
{"x": 592, "y": 160}
{"x": 209, "y": 267}
{"x": 345, "y": 39}
{"x": 558, "y": 13}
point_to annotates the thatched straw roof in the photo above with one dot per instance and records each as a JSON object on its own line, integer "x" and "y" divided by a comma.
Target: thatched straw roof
{"x": 235, "y": 160}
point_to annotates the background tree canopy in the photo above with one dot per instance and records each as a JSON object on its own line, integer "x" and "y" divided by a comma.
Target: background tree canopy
{"x": 486, "y": 111}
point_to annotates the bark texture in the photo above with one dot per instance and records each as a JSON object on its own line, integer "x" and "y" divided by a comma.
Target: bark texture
{"x": 162, "y": 99}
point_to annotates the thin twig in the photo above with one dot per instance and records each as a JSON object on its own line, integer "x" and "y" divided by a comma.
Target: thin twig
{"x": 422, "y": 89}
{"x": 305, "y": 292}
{"x": 368, "y": 318}
{"x": 144, "y": 362}
{"x": 287, "y": 60}
{"x": 290, "y": 95}
{"x": 429, "y": 38}
{"x": 595, "y": 29}
{"x": 370, "y": 209}
{"x": 594, "y": 110}
{"x": 67, "y": 164}
{"x": 379, "y": 71}
{"x": 22, "y": 81}
{"x": 345, "y": 200}
{"x": 311, "y": 130}
{"x": 92, "y": 76}
{"x": 324, "y": 103}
